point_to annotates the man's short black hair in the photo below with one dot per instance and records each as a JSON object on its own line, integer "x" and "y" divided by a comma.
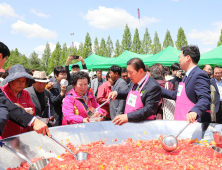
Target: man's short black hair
{"x": 206, "y": 65}
{"x": 4, "y": 50}
{"x": 216, "y": 67}
{"x": 79, "y": 75}
{"x": 175, "y": 66}
{"x": 116, "y": 69}
{"x": 124, "y": 70}
{"x": 193, "y": 51}
{"x": 59, "y": 69}
{"x": 137, "y": 63}
{"x": 107, "y": 76}
{"x": 98, "y": 70}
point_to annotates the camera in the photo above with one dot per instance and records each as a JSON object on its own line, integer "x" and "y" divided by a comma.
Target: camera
{"x": 75, "y": 56}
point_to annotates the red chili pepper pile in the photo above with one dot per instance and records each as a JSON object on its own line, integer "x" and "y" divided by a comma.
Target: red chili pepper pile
{"x": 136, "y": 155}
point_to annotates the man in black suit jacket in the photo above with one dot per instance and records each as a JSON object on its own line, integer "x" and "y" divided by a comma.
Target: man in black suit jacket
{"x": 197, "y": 87}
{"x": 150, "y": 94}
{"x": 217, "y": 82}
{"x": 15, "y": 113}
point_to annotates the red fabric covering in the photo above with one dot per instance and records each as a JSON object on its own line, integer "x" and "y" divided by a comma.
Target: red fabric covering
{"x": 24, "y": 100}
{"x": 102, "y": 95}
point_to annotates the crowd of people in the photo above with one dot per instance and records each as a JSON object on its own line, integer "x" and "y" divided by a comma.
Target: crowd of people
{"x": 29, "y": 100}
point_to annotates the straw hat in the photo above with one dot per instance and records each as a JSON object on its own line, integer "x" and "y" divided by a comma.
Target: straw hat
{"x": 15, "y": 72}
{"x": 40, "y": 76}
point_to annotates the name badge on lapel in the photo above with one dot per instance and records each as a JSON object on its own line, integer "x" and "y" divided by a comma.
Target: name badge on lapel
{"x": 180, "y": 88}
{"x": 132, "y": 100}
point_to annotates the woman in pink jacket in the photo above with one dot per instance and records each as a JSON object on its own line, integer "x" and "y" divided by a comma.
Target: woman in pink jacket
{"x": 78, "y": 100}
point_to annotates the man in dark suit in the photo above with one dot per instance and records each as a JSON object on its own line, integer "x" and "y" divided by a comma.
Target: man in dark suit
{"x": 150, "y": 94}
{"x": 194, "y": 89}
{"x": 217, "y": 83}
{"x": 15, "y": 113}
{"x": 43, "y": 99}
{"x": 117, "y": 107}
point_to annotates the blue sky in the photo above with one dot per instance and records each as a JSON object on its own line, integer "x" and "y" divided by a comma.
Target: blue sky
{"x": 28, "y": 25}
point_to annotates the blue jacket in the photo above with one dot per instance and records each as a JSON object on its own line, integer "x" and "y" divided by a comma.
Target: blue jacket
{"x": 197, "y": 88}
{"x": 150, "y": 98}
{"x": 217, "y": 97}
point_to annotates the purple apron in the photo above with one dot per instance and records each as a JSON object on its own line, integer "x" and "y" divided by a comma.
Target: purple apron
{"x": 134, "y": 102}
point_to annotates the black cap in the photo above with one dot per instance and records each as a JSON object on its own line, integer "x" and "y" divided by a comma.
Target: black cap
{"x": 75, "y": 66}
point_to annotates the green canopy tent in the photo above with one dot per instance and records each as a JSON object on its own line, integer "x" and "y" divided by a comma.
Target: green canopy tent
{"x": 166, "y": 57}
{"x": 94, "y": 62}
{"x": 126, "y": 56}
{"x": 213, "y": 57}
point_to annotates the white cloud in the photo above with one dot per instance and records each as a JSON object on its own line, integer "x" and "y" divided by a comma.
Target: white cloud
{"x": 7, "y": 11}
{"x": 207, "y": 36}
{"x": 39, "y": 14}
{"x": 205, "y": 50}
{"x": 33, "y": 31}
{"x": 105, "y": 18}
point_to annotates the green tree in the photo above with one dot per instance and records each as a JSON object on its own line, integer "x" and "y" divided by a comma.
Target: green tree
{"x": 55, "y": 58}
{"x": 126, "y": 41}
{"x": 35, "y": 62}
{"x": 136, "y": 45}
{"x": 168, "y": 40}
{"x": 46, "y": 58}
{"x": 64, "y": 55}
{"x": 102, "y": 48}
{"x": 87, "y": 51}
{"x": 13, "y": 59}
{"x": 96, "y": 46}
{"x": 220, "y": 40}
{"x": 146, "y": 43}
{"x": 109, "y": 47}
{"x": 156, "y": 46}
{"x": 117, "y": 51}
{"x": 80, "y": 50}
{"x": 24, "y": 62}
{"x": 181, "y": 39}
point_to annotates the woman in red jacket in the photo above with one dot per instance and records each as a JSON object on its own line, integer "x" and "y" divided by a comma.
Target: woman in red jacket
{"x": 16, "y": 80}
{"x": 102, "y": 95}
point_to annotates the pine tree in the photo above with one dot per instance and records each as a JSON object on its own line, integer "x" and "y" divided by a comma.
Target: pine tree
{"x": 168, "y": 40}
{"x": 80, "y": 50}
{"x": 35, "y": 62}
{"x": 46, "y": 58}
{"x": 109, "y": 47}
{"x": 55, "y": 58}
{"x": 126, "y": 41}
{"x": 117, "y": 49}
{"x": 64, "y": 55}
{"x": 13, "y": 59}
{"x": 102, "y": 48}
{"x": 220, "y": 40}
{"x": 96, "y": 46}
{"x": 146, "y": 43}
{"x": 136, "y": 45}
{"x": 181, "y": 39}
{"x": 156, "y": 46}
{"x": 87, "y": 51}
{"x": 24, "y": 62}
